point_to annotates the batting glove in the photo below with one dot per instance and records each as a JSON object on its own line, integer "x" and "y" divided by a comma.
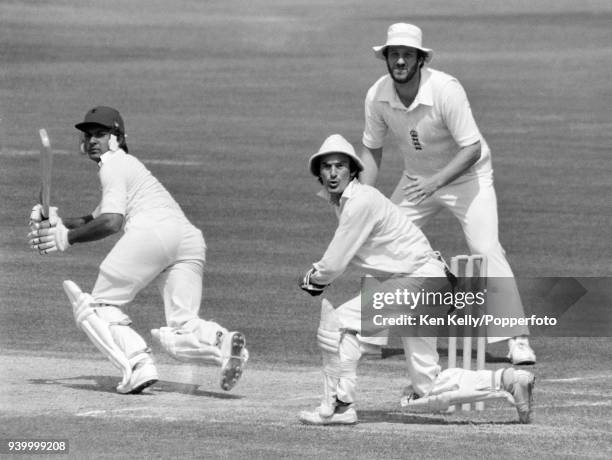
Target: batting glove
{"x": 312, "y": 288}
{"x": 48, "y": 239}
{"x": 36, "y": 216}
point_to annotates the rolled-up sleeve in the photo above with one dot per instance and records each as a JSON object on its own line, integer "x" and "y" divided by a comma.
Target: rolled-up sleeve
{"x": 114, "y": 190}
{"x": 355, "y": 225}
{"x": 458, "y": 115}
{"x": 375, "y": 127}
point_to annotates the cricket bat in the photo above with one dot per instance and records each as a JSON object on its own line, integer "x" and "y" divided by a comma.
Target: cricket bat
{"x": 46, "y": 166}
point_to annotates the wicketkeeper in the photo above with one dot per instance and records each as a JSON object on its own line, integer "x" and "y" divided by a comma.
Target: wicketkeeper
{"x": 158, "y": 243}
{"x": 377, "y": 238}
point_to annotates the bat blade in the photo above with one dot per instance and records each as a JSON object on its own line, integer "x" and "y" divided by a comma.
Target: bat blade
{"x": 46, "y": 168}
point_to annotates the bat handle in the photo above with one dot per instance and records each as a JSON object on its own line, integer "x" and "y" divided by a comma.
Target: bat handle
{"x": 45, "y": 206}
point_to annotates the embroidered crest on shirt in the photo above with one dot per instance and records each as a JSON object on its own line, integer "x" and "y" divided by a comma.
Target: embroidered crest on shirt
{"x": 415, "y": 139}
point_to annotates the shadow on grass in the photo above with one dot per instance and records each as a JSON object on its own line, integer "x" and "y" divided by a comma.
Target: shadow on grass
{"x": 443, "y": 352}
{"x": 191, "y": 389}
{"x": 108, "y": 384}
{"x": 383, "y": 416}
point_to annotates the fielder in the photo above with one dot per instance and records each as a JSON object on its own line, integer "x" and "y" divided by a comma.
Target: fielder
{"x": 447, "y": 163}
{"x": 378, "y": 239}
{"x": 158, "y": 243}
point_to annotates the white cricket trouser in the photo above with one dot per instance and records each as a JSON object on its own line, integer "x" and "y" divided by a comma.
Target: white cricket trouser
{"x": 165, "y": 246}
{"x": 421, "y": 354}
{"x": 473, "y": 202}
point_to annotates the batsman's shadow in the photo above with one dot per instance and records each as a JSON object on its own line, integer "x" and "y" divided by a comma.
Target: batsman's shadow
{"x": 390, "y": 416}
{"x": 164, "y": 386}
{"x": 108, "y": 384}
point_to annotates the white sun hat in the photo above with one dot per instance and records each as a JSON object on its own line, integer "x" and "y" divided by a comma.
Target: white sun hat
{"x": 402, "y": 34}
{"x": 334, "y": 144}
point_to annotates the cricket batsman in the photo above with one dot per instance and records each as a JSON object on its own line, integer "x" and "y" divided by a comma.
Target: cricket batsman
{"x": 158, "y": 244}
{"x": 377, "y": 238}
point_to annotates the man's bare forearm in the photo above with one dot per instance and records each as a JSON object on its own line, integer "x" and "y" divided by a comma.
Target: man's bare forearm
{"x": 371, "y": 161}
{"x": 75, "y": 222}
{"x": 96, "y": 229}
{"x": 465, "y": 158}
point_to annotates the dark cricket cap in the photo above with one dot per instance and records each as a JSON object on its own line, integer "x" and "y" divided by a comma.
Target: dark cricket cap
{"x": 102, "y": 116}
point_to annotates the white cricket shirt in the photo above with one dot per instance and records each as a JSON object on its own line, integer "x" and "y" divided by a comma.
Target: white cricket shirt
{"x": 374, "y": 235}
{"x": 432, "y": 130}
{"x": 129, "y": 188}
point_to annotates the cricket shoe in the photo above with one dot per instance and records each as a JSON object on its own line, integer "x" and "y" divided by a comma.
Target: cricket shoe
{"x": 520, "y": 385}
{"x": 235, "y": 356}
{"x": 408, "y": 396}
{"x": 144, "y": 374}
{"x": 347, "y": 417}
{"x": 519, "y": 351}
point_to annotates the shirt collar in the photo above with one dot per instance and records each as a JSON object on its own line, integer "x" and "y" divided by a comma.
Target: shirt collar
{"x": 105, "y": 157}
{"x": 424, "y": 95}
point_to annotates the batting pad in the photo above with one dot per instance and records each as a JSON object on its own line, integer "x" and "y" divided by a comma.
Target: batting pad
{"x": 96, "y": 329}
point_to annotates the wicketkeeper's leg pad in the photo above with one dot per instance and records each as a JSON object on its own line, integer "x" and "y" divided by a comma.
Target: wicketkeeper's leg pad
{"x": 350, "y": 354}
{"x": 328, "y": 333}
{"x": 341, "y": 353}
{"x": 109, "y": 330}
{"x": 328, "y": 339}
{"x": 457, "y": 386}
{"x": 197, "y": 341}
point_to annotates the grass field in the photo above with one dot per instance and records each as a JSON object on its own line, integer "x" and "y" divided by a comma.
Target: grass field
{"x": 224, "y": 102}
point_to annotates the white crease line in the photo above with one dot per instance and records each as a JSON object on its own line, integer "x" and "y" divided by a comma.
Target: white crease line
{"x": 576, "y": 404}
{"x": 129, "y": 412}
{"x": 578, "y": 379}
{"x": 31, "y": 153}
{"x": 94, "y": 413}
{"x": 172, "y": 162}
{"x": 303, "y": 398}
{"x": 575, "y": 393}
{"x": 111, "y": 411}
{"x": 91, "y": 413}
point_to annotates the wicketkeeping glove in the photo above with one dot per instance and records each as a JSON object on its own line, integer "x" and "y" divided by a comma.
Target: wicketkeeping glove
{"x": 46, "y": 239}
{"x": 310, "y": 287}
